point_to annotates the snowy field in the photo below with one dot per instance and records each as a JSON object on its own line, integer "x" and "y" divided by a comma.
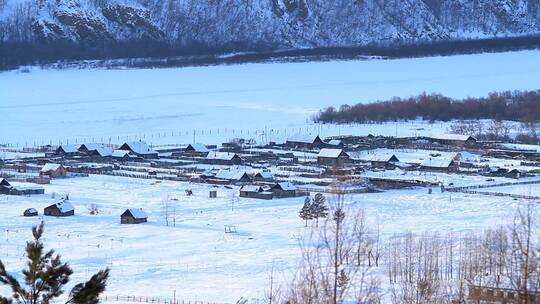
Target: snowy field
{"x": 195, "y": 257}
{"x": 211, "y": 104}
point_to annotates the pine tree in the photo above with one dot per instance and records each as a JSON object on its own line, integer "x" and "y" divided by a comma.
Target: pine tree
{"x": 319, "y": 208}
{"x": 307, "y": 210}
{"x": 45, "y": 277}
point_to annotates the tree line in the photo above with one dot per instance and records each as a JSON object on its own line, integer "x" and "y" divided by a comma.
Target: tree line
{"x": 165, "y": 53}
{"x": 521, "y": 106}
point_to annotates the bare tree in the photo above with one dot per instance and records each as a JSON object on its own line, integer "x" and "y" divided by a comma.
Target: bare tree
{"x": 334, "y": 267}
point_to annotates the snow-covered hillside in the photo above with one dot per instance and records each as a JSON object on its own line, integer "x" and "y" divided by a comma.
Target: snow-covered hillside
{"x": 194, "y": 256}
{"x": 279, "y": 23}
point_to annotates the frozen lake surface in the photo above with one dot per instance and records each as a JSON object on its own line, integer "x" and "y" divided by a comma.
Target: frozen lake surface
{"x": 223, "y": 102}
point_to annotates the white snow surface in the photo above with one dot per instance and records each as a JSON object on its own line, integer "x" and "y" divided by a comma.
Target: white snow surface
{"x": 212, "y": 104}
{"x": 195, "y": 257}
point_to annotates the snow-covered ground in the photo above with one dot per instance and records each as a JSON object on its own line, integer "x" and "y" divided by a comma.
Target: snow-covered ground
{"x": 195, "y": 257}
{"x": 211, "y": 104}
{"x": 268, "y": 102}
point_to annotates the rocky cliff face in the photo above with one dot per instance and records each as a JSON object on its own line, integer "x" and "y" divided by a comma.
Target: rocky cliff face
{"x": 280, "y": 23}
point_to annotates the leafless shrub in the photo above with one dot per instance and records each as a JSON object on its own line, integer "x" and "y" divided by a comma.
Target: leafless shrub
{"x": 93, "y": 209}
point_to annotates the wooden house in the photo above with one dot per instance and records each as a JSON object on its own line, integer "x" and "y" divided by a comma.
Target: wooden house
{"x": 133, "y": 216}
{"x": 452, "y": 139}
{"x": 263, "y": 177}
{"x": 197, "y": 149}
{"x": 139, "y": 148}
{"x": 53, "y": 170}
{"x": 255, "y": 191}
{"x": 498, "y": 295}
{"x": 122, "y": 155}
{"x": 515, "y": 173}
{"x": 233, "y": 175}
{"x": 30, "y": 212}
{"x": 88, "y": 148}
{"x": 8, "y": 189}
{"x": 305, "y": 142}
{"x": 283, "y": 190}
{"x": 101, "y": 152}
{"x": 223, "y": 158}
{"x": 4, "y": 183}
{"x": 67, "y": 150}
{"x": 5, "y": 187}
{"x": 379, "y": 160}
{"x": 60, "y": 209}
{"x": 333, "y": 157}
{"x": 439, "y": 165}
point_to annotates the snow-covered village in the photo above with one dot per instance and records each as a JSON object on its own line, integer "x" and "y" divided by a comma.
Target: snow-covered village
{"x": 269, "y": 152}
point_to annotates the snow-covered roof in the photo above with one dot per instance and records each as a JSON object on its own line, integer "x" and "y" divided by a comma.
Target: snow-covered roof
{"x": 307, "y": 139}
{"x": 231, "y": 174}
{"x": 91, "y": 146}
{"x": 50, "y": 167}
{"x": 104, "y": 152}
{"x": 120, "y": 153}
{"x": 137, "y": 213}
{"x": 70, "y": 148}
{"x": 251, "y": 188}
{"x": 64, "y": 206}
{"x": 286, "y": 186}
{"x": 436, "y": 163}
{"x": 139, "y": 147}
{"x": 221, "y": 155}
{"x": 452, "y": 137}
{"x": 376, "y": 157}
{"x": 465, "y": 156}
{"x": 330, "y": 153}
{"x": 264, "y": 174}
{"x": 31, "y": 210}
{"x": 198, "y": 147}
{"x": 334, "y": 142}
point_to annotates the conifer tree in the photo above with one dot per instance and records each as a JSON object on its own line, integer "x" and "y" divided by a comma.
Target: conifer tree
{"x": 45, "y": 277}
{"x": 319, "y": 208}
{"x": 307, "y": 210}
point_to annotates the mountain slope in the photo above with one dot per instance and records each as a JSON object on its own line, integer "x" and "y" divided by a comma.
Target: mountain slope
{"x": 239, "y": 25}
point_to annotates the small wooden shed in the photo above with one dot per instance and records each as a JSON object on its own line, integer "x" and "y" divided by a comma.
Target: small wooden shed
{"x": 53, "y": 170}
{"x": 60, "y": 209}
{"x": 133, "y": 216}
{"x": 223, "y": 158}
{"x": 30, "y": 212}
{"x": 332, "y": 157}
{"x": 197, "y": 149}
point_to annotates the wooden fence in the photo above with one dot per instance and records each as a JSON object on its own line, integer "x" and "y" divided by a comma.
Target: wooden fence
{"x": 460, "y": 189}
{"x": 330, "y": 190}
{"x": 147, "y": 176}
{"x": 518, "y": 196}
{"x": 150, "y": 299}
{"x": 471, "y": 190}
